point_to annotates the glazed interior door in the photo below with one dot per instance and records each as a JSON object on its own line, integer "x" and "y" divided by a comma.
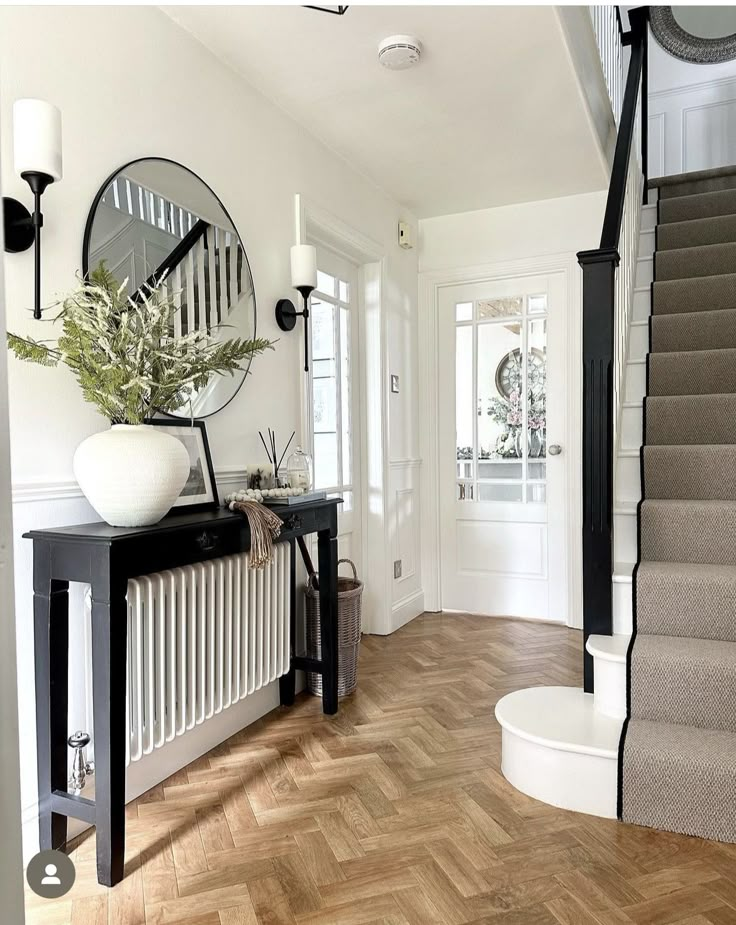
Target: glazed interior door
{"x": 333, "y": 405}
{"x": 502, "y": 368}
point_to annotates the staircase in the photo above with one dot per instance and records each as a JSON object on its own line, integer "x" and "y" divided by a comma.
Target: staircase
{"x": 678, "y": 759}
{"x": 674, "y": 581}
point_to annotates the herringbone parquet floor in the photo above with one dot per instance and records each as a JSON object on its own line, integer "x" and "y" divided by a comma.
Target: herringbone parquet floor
{"x": 395, "y": 812}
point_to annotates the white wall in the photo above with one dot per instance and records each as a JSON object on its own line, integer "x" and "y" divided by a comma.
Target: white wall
{"x": 531, "y": 229}
{"x": 457, "y": 248}
{"x": 130, "y": 83}
{"x": 11, "y": 871}
{"x": 692, "y": 114}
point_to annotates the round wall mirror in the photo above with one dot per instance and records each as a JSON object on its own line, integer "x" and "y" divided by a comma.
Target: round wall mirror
{"x": 156, "y": 220}
{"x": 697, "y": 34}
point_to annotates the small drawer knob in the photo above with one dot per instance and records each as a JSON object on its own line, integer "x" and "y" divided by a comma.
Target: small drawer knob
{"x": 207, "y": 541}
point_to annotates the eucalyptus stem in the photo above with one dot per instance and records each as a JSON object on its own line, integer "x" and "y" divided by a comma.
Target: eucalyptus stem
{"x": 122, "y": 352}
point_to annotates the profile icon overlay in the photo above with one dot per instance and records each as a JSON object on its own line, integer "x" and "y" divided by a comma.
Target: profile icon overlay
{"x": 50, "y": 874}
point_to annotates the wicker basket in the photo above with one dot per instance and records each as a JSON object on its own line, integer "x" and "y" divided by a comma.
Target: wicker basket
{"x": 349, "y": 609}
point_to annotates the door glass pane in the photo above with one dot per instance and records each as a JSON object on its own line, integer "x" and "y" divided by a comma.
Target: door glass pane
{"x": 500, "y": 409}
{"x": 536, "y": 493}
{"x": 330, "y": 393}
{"x": 537, "y": 397}
{"x": 465, "y": 491}
{"x": 464, "y": 402}
{"x": 325, "y": 460}
{"x": 490, "y": 491}
{"x": 500, "y": 308}
{"x": 325, "y": 283}
{"x": 537, "y": 304}
{"x": 324, "y": 394}
{"x": 501, "y": 399}
{"x": 323, "y": 331}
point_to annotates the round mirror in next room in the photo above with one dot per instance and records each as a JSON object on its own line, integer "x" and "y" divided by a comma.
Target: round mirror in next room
{"x": 154, "y": 219}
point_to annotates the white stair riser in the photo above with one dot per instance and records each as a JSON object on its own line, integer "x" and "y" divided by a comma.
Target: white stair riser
{"x": 571, "y": 780}
{"x": 638, "y": 342}
{"x": 642, "y": 304}
{"x": 610, "y": 687}
{"x": 623, "y": 614}
{"x": 644, "y": 272}
{"x": 631, "y": 427}
{"x": 646, "y": 242}
{"x": 636, "y": 382}
{"x": 628, "y": 479}
{"x": 648, "y": 219}
{"x": 624, "y": 537}
{"x": 652, "y": 196}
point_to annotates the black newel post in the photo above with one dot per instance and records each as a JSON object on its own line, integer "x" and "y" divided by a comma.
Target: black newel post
{"x": 599, "y": 276}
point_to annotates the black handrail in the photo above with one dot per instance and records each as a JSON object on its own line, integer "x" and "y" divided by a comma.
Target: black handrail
{"x": 599, "y": 288}
{"x": 172, "y": 260}
{"x": 619, "y": 172}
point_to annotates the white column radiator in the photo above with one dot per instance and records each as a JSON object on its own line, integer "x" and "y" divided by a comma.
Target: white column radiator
{"x": 200, "y": 638}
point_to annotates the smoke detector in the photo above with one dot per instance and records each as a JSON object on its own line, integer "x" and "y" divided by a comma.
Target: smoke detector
{"x": 399, "y": 52}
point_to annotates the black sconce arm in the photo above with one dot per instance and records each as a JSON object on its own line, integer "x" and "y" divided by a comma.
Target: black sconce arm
{"x": 286, "y": 315}
{"x": 22, "y": 229}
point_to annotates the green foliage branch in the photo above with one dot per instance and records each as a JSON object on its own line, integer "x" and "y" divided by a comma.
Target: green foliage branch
{"x": 127, "y": 359}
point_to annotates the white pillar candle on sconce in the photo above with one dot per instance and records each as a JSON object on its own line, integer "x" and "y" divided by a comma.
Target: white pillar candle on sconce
{"x": 303, "y": 279}
{"x": 37, "y": 138}
{"x": 304, "y": 267}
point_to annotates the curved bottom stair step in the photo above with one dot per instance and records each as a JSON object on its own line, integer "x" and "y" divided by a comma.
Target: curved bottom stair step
{"x": 558, "y": 749}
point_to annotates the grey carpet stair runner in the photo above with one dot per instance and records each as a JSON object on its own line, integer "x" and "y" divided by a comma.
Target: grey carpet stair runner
{"x": 678, "y": 747}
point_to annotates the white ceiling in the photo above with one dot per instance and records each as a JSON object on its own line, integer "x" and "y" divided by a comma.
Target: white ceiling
{"x": 492, "y": 114}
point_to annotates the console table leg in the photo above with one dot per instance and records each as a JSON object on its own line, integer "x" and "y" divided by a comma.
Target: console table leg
{"x": 51, "y": 630}
{"x": 287, "y": 683}
{"x": 327, "y": 547}
{"x": 109, "y": 658}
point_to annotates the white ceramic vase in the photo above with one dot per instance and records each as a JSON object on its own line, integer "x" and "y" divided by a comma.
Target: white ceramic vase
{"x": 132, "y": 473}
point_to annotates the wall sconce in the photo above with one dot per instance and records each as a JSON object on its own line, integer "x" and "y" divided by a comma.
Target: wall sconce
{"x": 304, "y": 279}
{"x": 37, "y": 150}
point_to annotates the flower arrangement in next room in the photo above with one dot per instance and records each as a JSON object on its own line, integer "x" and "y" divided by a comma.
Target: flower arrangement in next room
{"x": 124, "y": 353}
{"x": 508, "y": 412}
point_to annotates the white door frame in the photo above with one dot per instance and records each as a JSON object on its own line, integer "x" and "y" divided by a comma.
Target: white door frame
{"x": 430, "y": 283}
{"x": 317, "y": 225}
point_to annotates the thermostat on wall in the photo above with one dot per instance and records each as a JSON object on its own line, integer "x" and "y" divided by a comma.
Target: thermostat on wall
{"x": 405, "y": 236}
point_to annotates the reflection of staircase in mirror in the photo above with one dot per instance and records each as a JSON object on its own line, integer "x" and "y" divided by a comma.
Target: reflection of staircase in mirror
{"x": 206, "y": 283}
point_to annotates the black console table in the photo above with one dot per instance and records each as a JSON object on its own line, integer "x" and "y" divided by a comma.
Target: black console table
{"x": 106, "y": 558}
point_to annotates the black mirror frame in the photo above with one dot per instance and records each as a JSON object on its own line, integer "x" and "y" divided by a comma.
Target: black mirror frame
{"x": 87, "y": 237}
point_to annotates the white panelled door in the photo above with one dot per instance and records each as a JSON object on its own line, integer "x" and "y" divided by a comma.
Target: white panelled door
{"x": 502, "y": 387}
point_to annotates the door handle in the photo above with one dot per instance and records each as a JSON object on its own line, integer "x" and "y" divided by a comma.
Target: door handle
{"x": 555, "y": 449}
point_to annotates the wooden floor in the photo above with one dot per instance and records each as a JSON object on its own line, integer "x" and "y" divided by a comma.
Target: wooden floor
{"x": 395, "y": 812}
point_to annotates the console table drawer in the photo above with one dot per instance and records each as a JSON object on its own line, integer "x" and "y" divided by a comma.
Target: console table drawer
{"x": 188, "y": 545}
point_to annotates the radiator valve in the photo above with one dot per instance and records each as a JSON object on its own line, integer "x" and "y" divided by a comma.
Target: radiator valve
{"x": 81, "y": 768}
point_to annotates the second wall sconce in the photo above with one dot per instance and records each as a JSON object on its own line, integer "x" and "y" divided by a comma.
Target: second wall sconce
{"x": 37, "y": 154}
{"x": 304, "y": 280}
